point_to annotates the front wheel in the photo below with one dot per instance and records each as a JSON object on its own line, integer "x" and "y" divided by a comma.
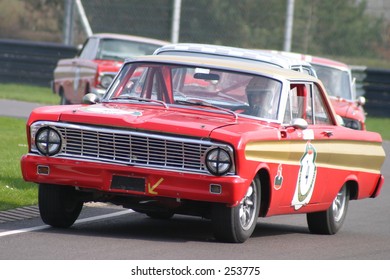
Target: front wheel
{"x": 236, "y": 224}
{"x": 330, "y": 221}
{"x": 63, "y": 100}
{"x": 59, "y": 206}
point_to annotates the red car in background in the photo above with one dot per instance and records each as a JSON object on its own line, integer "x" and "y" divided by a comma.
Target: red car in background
{"x": 340, "y": 86}
{"x": 98, "y": 61}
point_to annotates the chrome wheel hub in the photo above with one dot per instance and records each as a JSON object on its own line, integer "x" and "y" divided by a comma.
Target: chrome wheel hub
{"x": 338, "y": 205}
{"x": 248, "y": 208}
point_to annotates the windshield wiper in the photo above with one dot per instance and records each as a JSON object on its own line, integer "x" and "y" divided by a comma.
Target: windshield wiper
{"x": 200, "y": 102}
{"x": 126, "y": 97}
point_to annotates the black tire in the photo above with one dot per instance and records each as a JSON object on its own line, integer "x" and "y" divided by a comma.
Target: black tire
{"x": 330, "y": 221}
{"x": 236, "y": 224}
{"x": 63, "y": 100}
{"x": 59, "y": 206}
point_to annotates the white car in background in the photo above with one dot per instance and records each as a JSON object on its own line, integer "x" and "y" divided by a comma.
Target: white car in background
{"x": 340, "y": 86}
{"x": 97, "y": 63}
{"x": 335, "y": 75}
{"x": 239, "y": 54}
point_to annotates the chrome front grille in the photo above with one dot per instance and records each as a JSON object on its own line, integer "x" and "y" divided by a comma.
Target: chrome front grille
{"x": 132, "y": 147}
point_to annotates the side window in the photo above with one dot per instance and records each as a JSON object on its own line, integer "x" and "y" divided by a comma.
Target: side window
{"x": 321, "y": 115}
{"x": 299, "y": 104}
{"x": 309, "y": 71}
{"x": 306, "y": 102}
{"x": 89, "y": 49}
{"x": 304, "y": 69}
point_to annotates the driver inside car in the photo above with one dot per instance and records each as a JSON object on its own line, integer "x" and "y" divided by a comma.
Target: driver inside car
{"x": 260, "y": 92}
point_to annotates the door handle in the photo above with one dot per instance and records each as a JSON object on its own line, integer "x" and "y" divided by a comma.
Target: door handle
{"x": 328, "y": 133}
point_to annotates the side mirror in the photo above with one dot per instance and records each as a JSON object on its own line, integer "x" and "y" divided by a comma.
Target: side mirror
{"x": 90, "y": 98}
{"x": 340, "y": 120}
{"x": 361, "y": 100}
{"x": 79, "y": 48}
{"x": 299, "y": 123}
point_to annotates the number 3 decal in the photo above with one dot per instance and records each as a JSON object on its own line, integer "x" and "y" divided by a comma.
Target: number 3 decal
{"x": 306, "y": 178}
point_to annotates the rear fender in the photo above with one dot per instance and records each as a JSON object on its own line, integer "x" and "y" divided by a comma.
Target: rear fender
{"x": 378, "y": 187}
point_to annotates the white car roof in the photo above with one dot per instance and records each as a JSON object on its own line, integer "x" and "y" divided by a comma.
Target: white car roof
{"x": 245, "y": 66}
{"x": 232, "y": 52}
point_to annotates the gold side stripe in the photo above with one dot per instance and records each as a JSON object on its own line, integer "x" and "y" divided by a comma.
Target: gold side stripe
{"x": 345, "y": 155}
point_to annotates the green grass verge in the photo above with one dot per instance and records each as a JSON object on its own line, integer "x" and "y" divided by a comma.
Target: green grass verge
{"x": 380, "y": 125}
{"x": 14, "y": 191}
{"x": 29, "y": 93}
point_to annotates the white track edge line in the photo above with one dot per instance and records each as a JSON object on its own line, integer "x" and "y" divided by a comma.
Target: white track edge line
{"x": 24, "y": 230}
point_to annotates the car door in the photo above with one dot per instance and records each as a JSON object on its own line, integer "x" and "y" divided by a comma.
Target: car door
{"x": 306, "y": 173}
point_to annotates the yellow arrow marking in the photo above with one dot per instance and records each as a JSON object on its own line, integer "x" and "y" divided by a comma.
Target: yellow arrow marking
{"x": 151, "y": 189}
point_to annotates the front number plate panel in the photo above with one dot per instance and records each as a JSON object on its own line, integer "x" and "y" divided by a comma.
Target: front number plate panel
{"x": 128, "y": 183}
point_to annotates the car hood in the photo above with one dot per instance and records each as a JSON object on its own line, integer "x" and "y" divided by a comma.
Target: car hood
{"x": 190, "y": 122}
{"x": 347, "y": 109}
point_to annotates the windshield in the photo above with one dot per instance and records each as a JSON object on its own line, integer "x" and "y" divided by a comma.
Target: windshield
{"x": 115, "y": 49}
{"x": 337, "y": 82}
{"x": 197, "y": 86}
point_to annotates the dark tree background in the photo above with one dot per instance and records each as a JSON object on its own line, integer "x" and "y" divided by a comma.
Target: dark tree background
{"x": 321, "y": 27}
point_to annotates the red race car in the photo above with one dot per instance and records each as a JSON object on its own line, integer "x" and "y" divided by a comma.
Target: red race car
{"x": 341, "y": 88}
{"x": 93, "y": 69}
{"x": 227, "y": 140}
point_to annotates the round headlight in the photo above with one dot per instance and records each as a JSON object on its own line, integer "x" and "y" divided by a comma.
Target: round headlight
{"x": 48, "y": 141}
{"x": 106, "y": 80}
{"x": 218, "y": 161}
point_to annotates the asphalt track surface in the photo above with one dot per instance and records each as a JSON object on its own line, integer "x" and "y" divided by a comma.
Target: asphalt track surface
{"x": 17, "y": 109}
{"x": 107, "y": 232}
